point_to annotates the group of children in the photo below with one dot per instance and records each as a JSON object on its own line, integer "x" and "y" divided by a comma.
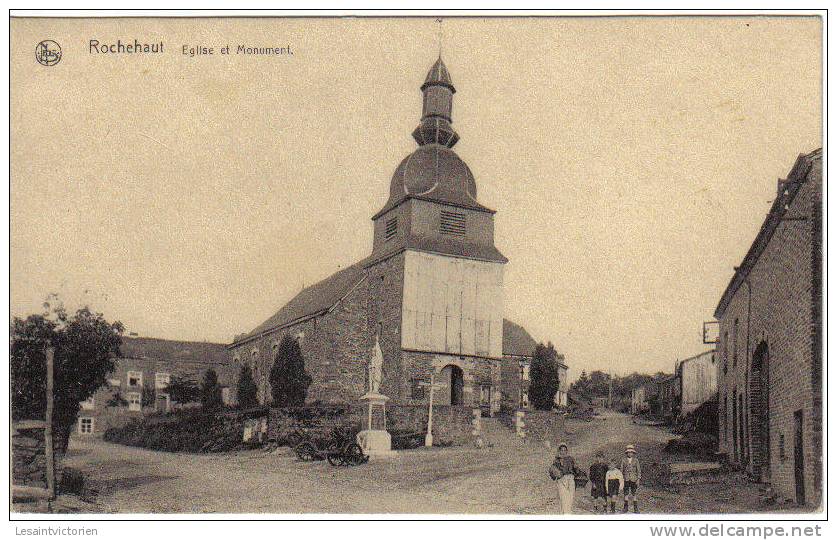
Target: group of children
{"x": 607, "y": 481}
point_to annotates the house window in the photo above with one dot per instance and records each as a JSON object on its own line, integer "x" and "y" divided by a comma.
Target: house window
{"x": 135, "y": 378}
{"x": 134, "y": 401}
{"x": 115, "y": 382}
{"x": 85, "y": 425}
{"x": 524, "y": 400}
{"x": 452, "y": 223}
{"x": 524, "y": 372}
{"x": 782, "y": 455}
{"x": 391, "y": 229}
{"x": 161, "y": 380}
{"x": 89, "y": 404}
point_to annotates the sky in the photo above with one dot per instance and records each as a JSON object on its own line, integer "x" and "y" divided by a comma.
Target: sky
{"x": 631, "y": 162}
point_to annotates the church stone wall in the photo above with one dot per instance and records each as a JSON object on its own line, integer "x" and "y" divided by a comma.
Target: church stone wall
{"x": 385, "y": 291}
{"x": 335, "y": 347}
{"x": 476, "y": 372}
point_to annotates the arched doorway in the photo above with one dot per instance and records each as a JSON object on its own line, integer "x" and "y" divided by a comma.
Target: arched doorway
{"x": 760, "y": 412}
{"x": 453, "y": 377}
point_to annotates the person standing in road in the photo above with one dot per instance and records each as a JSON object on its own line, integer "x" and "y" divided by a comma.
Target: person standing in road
{"x": 632, "y": 473}
{"x": 598, "y": 490}
{"x": 614, "y": 482}
{"x": 564, "y": 471}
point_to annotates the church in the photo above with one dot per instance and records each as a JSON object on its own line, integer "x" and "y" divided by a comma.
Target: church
{"x": 431, "y": 292}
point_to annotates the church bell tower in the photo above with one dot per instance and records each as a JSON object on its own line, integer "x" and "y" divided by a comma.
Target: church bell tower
{"x": 435, "y": 276}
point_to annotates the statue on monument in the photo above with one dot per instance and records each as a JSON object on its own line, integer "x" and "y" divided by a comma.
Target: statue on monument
{"x": 376, "y": 367}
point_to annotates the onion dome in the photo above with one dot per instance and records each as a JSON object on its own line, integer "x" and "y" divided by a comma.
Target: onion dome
{"x": 434, "y": 171}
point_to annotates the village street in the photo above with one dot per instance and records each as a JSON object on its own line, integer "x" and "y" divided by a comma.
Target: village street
{"x": 507, "y": 478}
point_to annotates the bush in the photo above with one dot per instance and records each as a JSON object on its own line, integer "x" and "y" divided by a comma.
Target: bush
{"x": 72, "y": 482}
{"x": 211, "y": 395}
{"x": 247, "y": 391}
{"x": 186, "y": 431}
{"x": 289, "y": 381}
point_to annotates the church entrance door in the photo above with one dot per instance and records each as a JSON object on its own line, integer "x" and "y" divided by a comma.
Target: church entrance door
{"x": 454, "y": 377}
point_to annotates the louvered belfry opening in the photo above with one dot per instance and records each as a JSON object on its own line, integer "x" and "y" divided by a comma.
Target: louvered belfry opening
{"x": 452, "y": 223}
{"x": 391, "y": 228}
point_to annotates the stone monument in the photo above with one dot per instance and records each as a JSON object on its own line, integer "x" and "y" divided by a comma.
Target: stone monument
{"x": 375, "y": 439}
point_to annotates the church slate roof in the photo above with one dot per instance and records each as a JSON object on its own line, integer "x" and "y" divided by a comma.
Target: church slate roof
{"x": 433, "y": 173}
{"x": 313, "y": 300}
{"x": 322, "y": 296}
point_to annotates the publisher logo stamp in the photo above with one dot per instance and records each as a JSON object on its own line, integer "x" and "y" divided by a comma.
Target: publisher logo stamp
{"x": 48, "y": 53}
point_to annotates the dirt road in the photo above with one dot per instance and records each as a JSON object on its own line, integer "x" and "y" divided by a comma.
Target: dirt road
{"x": 507, "y": 478}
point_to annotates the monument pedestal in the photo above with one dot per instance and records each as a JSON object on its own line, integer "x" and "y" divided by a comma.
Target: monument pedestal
{"x": 375, "y": 439}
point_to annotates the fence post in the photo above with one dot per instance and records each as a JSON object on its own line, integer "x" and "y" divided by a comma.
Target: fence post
{"x": 519, "y": 424}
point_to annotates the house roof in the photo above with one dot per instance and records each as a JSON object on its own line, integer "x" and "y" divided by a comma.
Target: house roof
{"x": 516, "y": 340}
{"x": 322, "y": 296}
{"x": 164, "y": 349}
{"x": 805, "y": 164}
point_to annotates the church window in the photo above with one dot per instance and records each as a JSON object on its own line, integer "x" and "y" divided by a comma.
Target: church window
{"x": 391, "y": 228}
{"x": 416, "y": 389}
{"x": 782, "y": 454}
{"x": 452, "y": 223}
{"x": 735, "y": 343}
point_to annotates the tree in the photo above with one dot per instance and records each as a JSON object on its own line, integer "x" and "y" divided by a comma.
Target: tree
{"x": 289, "y": 381}
{"x": 149, "y": 395}
{"x": 247, "y": 391}
{"x": 211, "y": 399}
{"x": 543, "y": 375}
{"x": 182, "y": 390}
{"x": 85, "y": 347}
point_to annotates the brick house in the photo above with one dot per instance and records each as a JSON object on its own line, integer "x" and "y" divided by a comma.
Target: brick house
{"x": 770, "y": 350}
{"x": 431, "y": 291}
{"x": 137, "y": 385}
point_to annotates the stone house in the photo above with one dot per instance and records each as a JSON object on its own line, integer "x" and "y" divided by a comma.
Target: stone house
{"x": 518, "y": 348}
{"x": 430, "y": 292}
{"x": 642, "y": 396}
{"x": 698, "y": 380}
{"x": 667, "y": 405}
{"x": 770, "y": 350}
{"x": 137, "y": 386}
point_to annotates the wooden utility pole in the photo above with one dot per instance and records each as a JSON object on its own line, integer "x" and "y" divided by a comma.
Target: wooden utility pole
{"x": 50, "y": 449}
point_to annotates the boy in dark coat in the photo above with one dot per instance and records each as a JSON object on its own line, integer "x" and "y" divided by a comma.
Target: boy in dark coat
{"x": 598, "y": 470}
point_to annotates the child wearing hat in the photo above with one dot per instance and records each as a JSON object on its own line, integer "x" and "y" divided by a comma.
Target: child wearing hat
{"x": 632, "y": 473}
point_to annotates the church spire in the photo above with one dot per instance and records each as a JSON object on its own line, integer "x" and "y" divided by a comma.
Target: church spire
{"x": 435, "y": 123}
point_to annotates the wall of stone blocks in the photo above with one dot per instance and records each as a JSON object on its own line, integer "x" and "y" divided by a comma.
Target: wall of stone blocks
{"x": 476, "y": 371}
{"x": 335, "y": 346}
{"x": 451, "y": 425}
{"x": 29, "y": 458}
